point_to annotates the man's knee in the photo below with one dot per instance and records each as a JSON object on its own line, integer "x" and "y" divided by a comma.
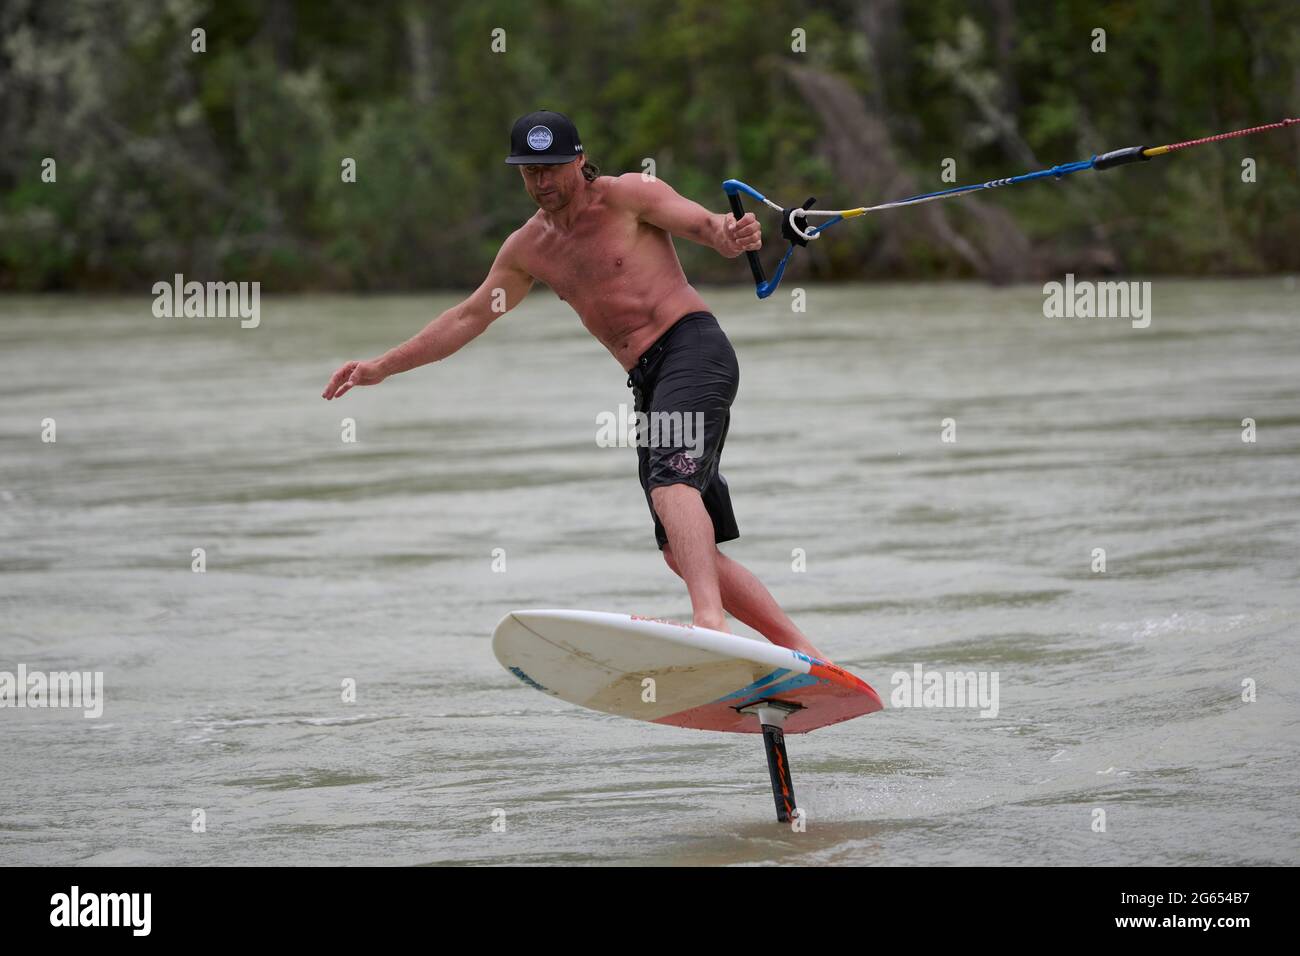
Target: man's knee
{"x": 671, "y": 560}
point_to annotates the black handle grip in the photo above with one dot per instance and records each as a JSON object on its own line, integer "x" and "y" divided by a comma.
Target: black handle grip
{"x": 1120, "y": 157}
{"x": 755, "y": 264}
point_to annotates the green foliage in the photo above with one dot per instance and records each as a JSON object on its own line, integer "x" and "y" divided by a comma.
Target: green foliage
{"x": 228, "y": 162}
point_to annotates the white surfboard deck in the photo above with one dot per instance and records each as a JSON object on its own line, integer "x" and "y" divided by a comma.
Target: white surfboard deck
{"x": 701, "y": 678}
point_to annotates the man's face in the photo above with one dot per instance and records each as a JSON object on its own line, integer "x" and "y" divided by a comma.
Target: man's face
{"x": 553, "y": 186}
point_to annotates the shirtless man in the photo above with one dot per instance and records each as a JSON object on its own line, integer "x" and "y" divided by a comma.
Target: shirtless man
{"x": 604, "y": 245}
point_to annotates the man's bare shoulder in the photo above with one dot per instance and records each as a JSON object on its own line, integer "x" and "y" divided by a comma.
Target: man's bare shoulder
{"x": 519, "y": 243}
{"x": 529, "y": 231}
{"x": 529, "y": 227}
{"x": 631, "y": 190}
{"x": 632, "y": 180}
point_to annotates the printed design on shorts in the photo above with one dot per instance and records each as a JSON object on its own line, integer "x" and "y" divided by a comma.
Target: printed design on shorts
{"x": 683, "y": 464}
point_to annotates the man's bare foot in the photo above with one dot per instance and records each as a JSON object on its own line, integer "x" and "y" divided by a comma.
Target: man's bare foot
{"x": 712, "y": 623}
{"x": 803, "y": 646}
{"x": 812, "y": 652}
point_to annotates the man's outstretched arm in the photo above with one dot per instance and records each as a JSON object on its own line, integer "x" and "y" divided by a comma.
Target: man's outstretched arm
{"x": 657, "y": 203}
{"x": 504, "y": 288}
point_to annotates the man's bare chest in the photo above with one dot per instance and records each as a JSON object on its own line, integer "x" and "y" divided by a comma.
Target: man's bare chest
{"x": 586, "y": 258}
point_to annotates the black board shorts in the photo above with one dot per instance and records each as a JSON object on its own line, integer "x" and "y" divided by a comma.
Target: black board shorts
{"x": 686, "y": 383}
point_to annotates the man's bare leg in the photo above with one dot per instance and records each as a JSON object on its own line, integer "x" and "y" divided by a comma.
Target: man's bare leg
{"x": 746, "y": 599}
{"x": 690, "y": 534}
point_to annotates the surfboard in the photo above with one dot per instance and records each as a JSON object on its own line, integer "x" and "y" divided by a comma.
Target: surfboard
{"x": 676, "y": 674}
{"x": 702, "y": 678}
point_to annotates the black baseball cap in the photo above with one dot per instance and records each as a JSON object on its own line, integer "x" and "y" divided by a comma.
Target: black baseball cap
{"x": 543, "y": 138}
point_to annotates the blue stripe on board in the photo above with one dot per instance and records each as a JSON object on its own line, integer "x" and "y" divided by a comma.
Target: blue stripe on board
{"x": 767, "y": 678}
{"x": 794, "y": 683}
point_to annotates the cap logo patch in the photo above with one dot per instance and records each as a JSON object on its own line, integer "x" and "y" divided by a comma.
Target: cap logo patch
{"x": 540, "y": 138}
